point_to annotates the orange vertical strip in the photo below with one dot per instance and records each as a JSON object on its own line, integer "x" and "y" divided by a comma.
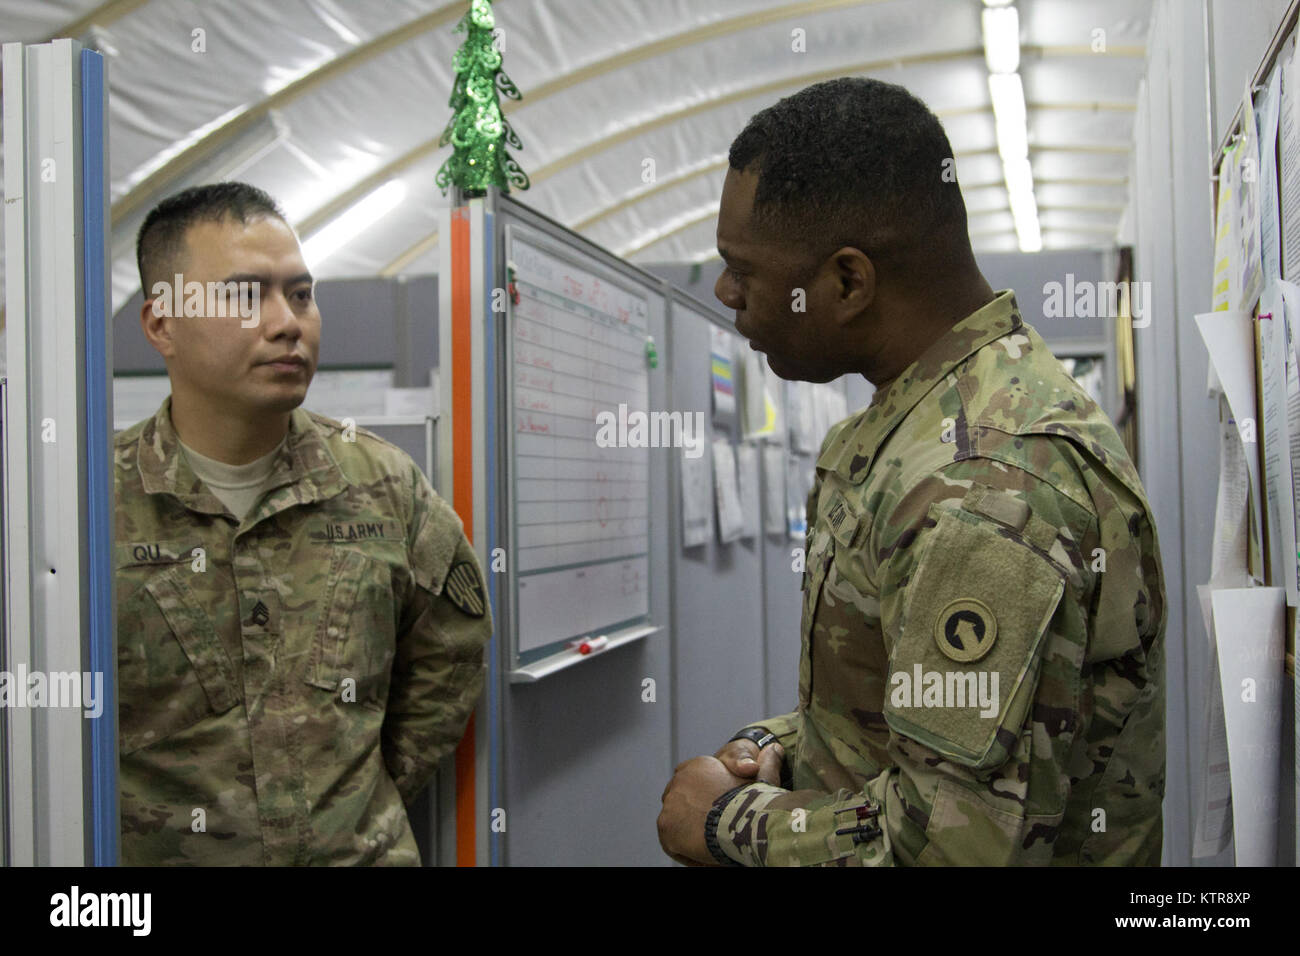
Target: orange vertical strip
{"x": 462, "y": 451}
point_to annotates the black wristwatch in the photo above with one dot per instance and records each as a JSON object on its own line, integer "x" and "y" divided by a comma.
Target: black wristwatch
{"x": 762, "y": 736}
{"x": 759, "y": 735}
{"x": 711, "y": 827}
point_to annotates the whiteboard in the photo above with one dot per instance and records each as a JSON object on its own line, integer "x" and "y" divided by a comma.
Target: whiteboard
{"x": 580, "y": 514}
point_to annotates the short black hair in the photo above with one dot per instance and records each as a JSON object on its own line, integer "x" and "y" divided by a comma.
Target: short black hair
{"x": 853, "y": 161}
{"x": 162, "y": 236}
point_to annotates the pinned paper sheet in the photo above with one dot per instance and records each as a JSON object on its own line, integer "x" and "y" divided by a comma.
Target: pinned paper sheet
{"x": 1250, "y": 630}
{"x": 1266, "y": 114}
{"x": 1246, "y": 219}
{"x": 722, "y": 374}
{"x": 1230, "y": 339}
{"x": 1229, "y": 563}
{"x": 760, "y": 409}
{"x": 1213, "y": 814}
{"x": 697, "y": 500}
{"x": 1225, "y": 271}
{"x": 799, "y": 474}
{"x": 731, "y": 519}
{"x": 774, "y": 489}
{"x": 747, "y": 486}
{"x": 1289, "y": 161}
{"x": 1279, "y": 306}
{"x": 799, "y": 403}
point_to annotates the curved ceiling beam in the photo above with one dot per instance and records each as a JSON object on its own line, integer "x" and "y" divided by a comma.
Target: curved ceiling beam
{"x": 375, "y": 47}
{"x": 629, "y": 251}
{"x": 592, "y": 71}
{"x": 375, "y": 179}
{"x": 219, "y": 137}
{"x": 379, "y": 45}
{"x": 633, "y": 198}
{"x": 430, "y": 146}
{"x": 101, "y": 16}
{"x": 430, "y": 241}
{"x": 427, "y": 244}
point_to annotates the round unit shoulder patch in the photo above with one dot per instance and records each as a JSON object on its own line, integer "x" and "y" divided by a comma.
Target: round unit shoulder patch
{"x": 965, "y": 630}
{"x": 464, "y": 589}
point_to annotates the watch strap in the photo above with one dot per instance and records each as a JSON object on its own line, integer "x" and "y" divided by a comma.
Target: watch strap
{"x": 759, "y": 735}
{"x": 711, "y": 827}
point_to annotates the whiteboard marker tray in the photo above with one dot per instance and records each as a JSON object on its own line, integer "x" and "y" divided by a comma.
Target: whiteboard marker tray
{"x": 529, "y": 673}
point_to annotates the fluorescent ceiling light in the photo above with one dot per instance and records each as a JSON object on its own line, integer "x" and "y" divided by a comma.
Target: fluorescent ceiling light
{"x": 356, "y": 219}
{"x": 1024, "y": 207}
{"x": 1008, "y": 97}
{"x": 996, "y": 3}
{"x": 1031, "y": 240}
{"x": 1009, "y": 115}
{"x": 1001, "y": 39}
{"x": 1019, "y": 176}
{"x": 1013, "y": 142}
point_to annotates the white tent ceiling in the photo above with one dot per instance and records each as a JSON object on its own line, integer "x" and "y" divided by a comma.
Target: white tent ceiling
{"x": 320, "y": 102}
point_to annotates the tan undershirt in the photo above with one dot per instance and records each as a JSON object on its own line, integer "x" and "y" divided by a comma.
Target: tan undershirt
{"x": 237, "y": 486}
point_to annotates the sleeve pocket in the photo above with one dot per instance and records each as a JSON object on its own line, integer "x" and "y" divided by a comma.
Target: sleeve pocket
{"x": 965, "y": 659}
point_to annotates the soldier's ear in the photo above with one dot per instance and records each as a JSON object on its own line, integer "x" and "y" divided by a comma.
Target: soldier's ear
{"x": 155, "y": 322}
{"x": 855, "y": 283}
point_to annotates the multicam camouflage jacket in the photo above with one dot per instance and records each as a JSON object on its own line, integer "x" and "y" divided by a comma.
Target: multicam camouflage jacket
{"x": 286, "y": 683}
{"x": 981, "y": 679}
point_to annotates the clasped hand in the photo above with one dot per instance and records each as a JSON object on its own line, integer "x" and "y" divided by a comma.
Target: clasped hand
{"x": 701, "y": 780}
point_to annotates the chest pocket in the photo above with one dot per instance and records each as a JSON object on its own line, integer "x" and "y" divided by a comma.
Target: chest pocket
{"x": 172, "y": 669}
{"x": 355, "y": 639}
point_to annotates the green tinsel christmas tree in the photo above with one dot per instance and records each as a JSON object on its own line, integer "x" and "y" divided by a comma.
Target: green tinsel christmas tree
{"x": 478, "y": 131}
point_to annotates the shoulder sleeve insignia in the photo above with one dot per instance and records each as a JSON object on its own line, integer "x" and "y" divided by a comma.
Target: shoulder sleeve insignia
{"x": 464, "y": 588}
{"x": 965, "y": 630}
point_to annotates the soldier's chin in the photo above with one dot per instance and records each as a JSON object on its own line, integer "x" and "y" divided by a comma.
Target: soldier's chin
{"x": 778, "y": 368}
{"x": 789, "y": 372}
{"x": 285, "y": 401}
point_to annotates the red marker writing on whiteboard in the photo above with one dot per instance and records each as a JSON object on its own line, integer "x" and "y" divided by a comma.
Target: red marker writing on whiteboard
{"x": 592, "y": 644}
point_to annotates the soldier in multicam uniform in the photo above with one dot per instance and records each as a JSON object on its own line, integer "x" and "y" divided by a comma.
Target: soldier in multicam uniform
{"x": 981, "y": 679}
{"x": 301, "y": 620}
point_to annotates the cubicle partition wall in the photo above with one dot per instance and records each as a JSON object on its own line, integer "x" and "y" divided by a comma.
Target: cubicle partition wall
{"x": 718, "y": 596}
{"x": 589, "y": 739}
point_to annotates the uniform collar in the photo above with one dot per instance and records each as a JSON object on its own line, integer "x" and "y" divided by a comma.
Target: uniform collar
{"x": 854, "y": 448}
{"x": 304, "y": 463}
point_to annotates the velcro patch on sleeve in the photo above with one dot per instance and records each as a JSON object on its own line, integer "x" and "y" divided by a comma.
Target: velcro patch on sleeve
{"x": 464, "y": 589}
{"x": 435, "y": 546}
{"x": 964, "y": 667}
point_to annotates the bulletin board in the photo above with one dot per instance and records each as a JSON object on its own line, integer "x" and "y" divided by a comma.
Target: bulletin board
{"x": 579, "y": 515}
{"x": 1252, "y": 336}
